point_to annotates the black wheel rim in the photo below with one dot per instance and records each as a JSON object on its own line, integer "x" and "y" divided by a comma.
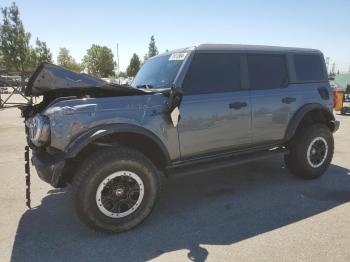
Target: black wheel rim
{"x": 317, "y": 152}
{"x": 120, "y": 194}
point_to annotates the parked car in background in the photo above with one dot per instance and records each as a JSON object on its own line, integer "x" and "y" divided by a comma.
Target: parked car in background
{"x": 10, "y": 80}
{"x": 122, "y": 81}
{"x": 4, "y": 90}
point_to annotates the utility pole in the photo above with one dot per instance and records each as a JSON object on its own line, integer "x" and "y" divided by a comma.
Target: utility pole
{"x": 333, "y": 68}
{"x": 118, "y": 59}
{"x": 327, "y": 64}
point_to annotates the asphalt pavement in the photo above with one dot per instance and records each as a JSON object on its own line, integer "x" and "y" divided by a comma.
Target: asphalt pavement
{"x": 252, "y": 212}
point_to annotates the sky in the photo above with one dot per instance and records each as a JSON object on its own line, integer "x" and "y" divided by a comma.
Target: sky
{"x": 76, "y": 25}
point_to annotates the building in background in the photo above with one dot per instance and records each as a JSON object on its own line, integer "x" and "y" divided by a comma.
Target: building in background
{"x": 342, "y": 81}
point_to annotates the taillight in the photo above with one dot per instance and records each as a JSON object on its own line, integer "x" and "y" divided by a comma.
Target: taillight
{"x": 323, "y": 93}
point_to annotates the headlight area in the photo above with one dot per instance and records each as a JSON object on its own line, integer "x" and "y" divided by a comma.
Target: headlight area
{"x": 38, "y": 130}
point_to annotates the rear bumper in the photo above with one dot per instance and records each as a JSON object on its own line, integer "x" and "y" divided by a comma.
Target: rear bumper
{"x": 49, "y": 168}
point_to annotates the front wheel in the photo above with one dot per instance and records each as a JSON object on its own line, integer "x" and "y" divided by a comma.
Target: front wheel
{"x": 310, "y": 151}
{"x": 115, "y": 189}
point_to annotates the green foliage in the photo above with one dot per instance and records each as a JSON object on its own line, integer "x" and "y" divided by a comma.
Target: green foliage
{"x": 122, "y": 74}
{"x": 99, "y": 61}
{"x": 63, "y": 57}
{"x": 14, "y": 40}
{"x": 37, "y": 55}
{"x": 2, "y": 61}
{"x": 32, "y": 60}
{"x": 16, "y": 53}
{"x": 66, "y": 60}
{"x": 43, "y": 53}
{"x": 134, "y": 65}
{"x": 152, "y": 49}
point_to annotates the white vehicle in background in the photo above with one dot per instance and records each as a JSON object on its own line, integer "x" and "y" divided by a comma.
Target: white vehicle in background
{"x": 118, "y": 80}
{"x": 11, "y": 80}
{"x": 121, "y": 81}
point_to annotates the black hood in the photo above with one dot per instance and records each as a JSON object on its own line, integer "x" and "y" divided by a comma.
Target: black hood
{"x": 50, "y": 78}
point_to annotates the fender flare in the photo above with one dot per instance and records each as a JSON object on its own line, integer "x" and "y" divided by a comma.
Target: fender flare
{"x": 84, "y": 139}
{"x": 299, "y": 115}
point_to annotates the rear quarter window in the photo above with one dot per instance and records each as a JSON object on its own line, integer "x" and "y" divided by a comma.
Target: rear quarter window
{"x": 309, "y": 67}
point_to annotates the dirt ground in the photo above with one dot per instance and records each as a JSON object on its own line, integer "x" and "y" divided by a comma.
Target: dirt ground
{"x": 254, "y": 212}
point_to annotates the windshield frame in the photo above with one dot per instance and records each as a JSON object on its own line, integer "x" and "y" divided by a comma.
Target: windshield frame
{"x": 179, "y": 74}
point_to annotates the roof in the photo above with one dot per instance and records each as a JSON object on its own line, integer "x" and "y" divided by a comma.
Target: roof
{"x": 236, "y": 47}
{"x": 342, "y": 80}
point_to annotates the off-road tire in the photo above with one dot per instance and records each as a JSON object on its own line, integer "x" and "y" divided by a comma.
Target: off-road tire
{"x": 95, "y": 169}
{"x": 297, "y": 159}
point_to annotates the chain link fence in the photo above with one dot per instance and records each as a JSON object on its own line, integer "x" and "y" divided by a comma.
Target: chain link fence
{"x": 11, "y": 94}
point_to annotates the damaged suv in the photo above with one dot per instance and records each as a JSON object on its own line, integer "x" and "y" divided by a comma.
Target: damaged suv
{"x": 189, "y": 110}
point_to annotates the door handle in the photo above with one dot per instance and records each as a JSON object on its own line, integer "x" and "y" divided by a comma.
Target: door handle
{"x": 238, "y": 105}
{"x": 288, "y": 100}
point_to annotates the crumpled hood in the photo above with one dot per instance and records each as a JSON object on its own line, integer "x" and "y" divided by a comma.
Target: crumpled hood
{"x": 49, "y": 78}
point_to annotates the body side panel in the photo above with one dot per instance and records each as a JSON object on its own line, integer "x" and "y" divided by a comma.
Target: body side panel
{"x": 69, "y": 119}
{"x": 208, "y": 125}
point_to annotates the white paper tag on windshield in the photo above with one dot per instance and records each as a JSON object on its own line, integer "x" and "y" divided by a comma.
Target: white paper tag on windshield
{"x": 177, "y": 56}
{"x": 175, "y": 114}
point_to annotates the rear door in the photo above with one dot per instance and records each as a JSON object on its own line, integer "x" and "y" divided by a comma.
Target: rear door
{"x": 273, "y": 100}
{"x": 215, "y": 110}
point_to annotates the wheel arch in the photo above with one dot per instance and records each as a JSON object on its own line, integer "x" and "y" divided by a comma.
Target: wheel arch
{"x": 130, "y": 135}
{"x": 310, "y": 114}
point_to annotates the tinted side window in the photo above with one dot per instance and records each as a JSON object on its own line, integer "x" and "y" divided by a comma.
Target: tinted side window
{"x": 267, "y": 71}
{"x": 308, "y": 67}
{"x": 213, "y": 73}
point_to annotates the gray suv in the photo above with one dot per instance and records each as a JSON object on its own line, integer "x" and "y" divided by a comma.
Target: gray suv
{"x": 200, "y": 108}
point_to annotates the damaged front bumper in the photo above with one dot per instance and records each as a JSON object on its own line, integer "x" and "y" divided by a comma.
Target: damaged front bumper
{"x": 49, "y": 167}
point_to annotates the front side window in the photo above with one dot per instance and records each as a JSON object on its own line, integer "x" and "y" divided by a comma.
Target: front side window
{"x": 158, "y": 72}
{"x": 213, "y": 73}
{"x": 308, "y": 67}
{"x": 267, "y": 71}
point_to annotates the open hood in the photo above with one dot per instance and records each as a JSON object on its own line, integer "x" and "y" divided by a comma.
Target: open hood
{"x": 50, "y": 78}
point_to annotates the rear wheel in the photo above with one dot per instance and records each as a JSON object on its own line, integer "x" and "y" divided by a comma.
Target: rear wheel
{"x": 115, "y": 189}
{"x": 310, "y": 151}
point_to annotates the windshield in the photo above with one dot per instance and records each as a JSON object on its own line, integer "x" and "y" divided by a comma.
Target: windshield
{"x": 158, "y": 72}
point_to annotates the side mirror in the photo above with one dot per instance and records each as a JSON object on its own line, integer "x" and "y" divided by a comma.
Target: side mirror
{"x": 173, "y": 104}
{"x": 175, "y": 97}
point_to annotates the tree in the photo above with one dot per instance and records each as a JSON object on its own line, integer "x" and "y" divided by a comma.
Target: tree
{"x": 63, "y": 57}
{"x": 66, "y": 60}
{"x": 14, "y": 41}
{"x": 122, "y": 74}
{"x": 99, "y": 61}
{"x": 32, "y": 60}
{"x": 134, "y": 65}
{"x": 2, "y": 62}
{"x": 152, "y": 49}
{"x": 43, "y": 53}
